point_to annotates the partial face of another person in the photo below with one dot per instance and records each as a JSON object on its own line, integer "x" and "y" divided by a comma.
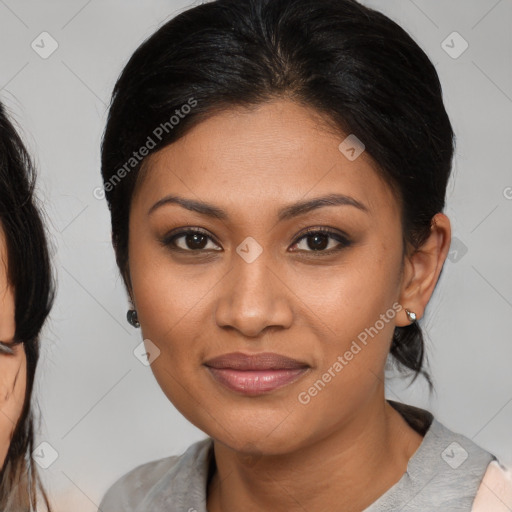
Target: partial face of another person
{"x": 249, "y": 279}
{"x": 13, "y": 367}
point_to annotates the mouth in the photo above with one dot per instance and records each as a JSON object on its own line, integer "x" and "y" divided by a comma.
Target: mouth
{"x": 255, "y": 374}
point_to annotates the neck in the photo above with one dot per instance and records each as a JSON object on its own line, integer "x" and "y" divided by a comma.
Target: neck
{"x": 346, "y": 470}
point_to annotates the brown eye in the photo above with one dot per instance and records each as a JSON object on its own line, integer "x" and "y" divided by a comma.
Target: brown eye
{"x": 322, "y": 240}
{"x": 191, "y": 240}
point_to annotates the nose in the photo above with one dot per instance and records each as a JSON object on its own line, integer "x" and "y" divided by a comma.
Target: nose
{"x": 253, "y": 298}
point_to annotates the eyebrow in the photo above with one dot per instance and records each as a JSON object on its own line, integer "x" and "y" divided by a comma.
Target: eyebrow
{"x": 286, "y": 213}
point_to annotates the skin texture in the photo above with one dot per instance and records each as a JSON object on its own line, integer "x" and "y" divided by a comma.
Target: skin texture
{"x": 347, "y": 446}
{"x": 13, "y": 368}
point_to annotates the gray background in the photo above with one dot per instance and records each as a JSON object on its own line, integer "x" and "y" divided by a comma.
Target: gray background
{"x": 103, "y": 413}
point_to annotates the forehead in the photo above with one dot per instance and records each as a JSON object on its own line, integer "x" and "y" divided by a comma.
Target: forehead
{"x": 277, "y": 151}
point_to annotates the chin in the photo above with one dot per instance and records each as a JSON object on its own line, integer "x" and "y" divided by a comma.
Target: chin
{"x": 265, "y": 434}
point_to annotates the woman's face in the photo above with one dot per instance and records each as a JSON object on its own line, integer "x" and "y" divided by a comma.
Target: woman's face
{"x": 252, "y": 283}
{"x": 13, "y": 367}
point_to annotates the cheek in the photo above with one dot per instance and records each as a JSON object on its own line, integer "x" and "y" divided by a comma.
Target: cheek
{"x": 7, "y": 312}
{"x": 171, "y": 299}
{"x": 176, "y": 302}
{"x": 13, "y": 379}
{"x": 350, "y": 297}
{"x": 175, "y": 309}
{"x": 355, "y": 319}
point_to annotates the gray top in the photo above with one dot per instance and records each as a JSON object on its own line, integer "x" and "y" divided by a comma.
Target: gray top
{"x": 443, "y": 474}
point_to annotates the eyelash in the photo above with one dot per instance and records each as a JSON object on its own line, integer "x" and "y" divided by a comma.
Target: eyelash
{"x": 169, "y": 240}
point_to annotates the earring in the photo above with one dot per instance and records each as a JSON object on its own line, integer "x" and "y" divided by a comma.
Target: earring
{"x": 131, "y": 316}
{"x": 410, "y": 316}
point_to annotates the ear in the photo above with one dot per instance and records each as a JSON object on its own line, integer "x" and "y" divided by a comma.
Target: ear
{"x": 422, "y": 269}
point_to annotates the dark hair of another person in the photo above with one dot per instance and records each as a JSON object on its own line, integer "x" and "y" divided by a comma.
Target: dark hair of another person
{"x": 29, "y": 272}
{"x": 360, "y": 70}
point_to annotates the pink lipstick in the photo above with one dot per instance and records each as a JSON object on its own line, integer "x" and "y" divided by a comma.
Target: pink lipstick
{"x": 255, "y": 374}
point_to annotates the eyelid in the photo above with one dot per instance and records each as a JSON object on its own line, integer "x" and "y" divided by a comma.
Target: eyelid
{"x": 168, "y": 239}
{"x": 339, "y": 236}
{"x": 324, "y": 230}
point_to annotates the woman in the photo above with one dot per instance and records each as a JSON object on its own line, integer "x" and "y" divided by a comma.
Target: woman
{"x": 26, "y": 296}
{"x": 276, "y": 174}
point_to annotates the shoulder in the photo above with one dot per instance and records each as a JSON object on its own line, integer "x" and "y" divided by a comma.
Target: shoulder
{"x": 129, "y": 490}
{"x": 136, "y": 486}
{"x": 495, "y": 491}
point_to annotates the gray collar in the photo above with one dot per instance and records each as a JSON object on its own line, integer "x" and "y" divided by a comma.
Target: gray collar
{"x": 443, "y": 474}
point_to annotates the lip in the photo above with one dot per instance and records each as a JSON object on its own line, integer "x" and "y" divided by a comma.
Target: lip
{"x": 255, "y": 374}
{"x": 261, "y": 361}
